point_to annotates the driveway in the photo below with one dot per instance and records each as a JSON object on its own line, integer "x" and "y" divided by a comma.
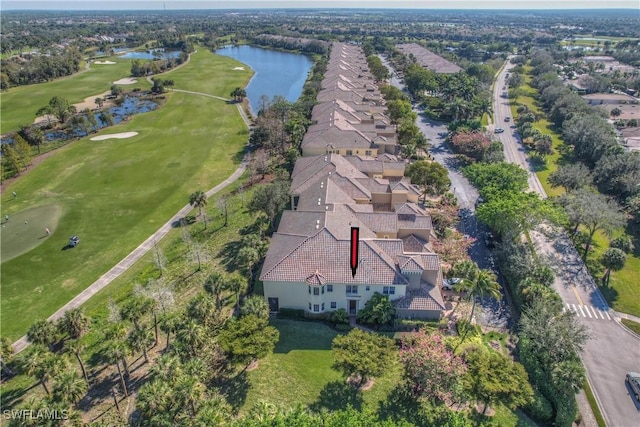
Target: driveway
{"x": 490, "y": 312}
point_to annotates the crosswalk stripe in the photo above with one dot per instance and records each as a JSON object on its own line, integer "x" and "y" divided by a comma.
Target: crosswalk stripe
{"x": 588, "y": 312}
{"x": 607, "y": 314}
{"x": 580, "y": 307}
{"x": 600, "y": 312}
{"x": 575, "y": 310}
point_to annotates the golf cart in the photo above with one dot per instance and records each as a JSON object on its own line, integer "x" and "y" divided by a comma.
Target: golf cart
{"x": 73, "y": 241}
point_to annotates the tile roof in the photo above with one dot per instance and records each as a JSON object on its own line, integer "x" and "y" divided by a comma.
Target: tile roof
{"x": 428, "y": 59}
{"x": 424, "y": 298}
{"x": 329, "y": 256}
{"x": 412, "y": 243}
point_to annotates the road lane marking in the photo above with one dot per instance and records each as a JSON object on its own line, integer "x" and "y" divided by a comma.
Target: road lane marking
{"x": 588, "y": 312}
{"x": 575, "y": 291}
{"x": 599, "y": 312}
{"x": 607, "y": 314}
{"x": 575, "y": 310}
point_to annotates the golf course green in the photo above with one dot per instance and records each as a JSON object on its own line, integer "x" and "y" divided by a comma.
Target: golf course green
{"x": 114, "y": 193}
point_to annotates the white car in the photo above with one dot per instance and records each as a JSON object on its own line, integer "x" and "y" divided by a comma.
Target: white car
{"x": 449, "y": 284}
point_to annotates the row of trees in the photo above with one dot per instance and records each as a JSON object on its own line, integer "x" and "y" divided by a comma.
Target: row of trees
{"x": 586, "y": 131}
{"x": 38, "y": 68}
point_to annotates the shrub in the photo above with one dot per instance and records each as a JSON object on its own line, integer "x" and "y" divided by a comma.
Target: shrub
{"x": 291, "y": 313}
{"x": 339, "y": 317}
{"x": 540, "y": 409}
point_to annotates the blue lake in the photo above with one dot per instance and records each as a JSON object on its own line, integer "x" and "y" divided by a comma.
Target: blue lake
{"x": 151, "y": 54}
{"x": 276, "y": 73}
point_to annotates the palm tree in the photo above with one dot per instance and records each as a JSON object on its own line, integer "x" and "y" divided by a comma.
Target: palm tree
{"x": 169, "y": 322}
{"x": 190, "y": 391}
{"x": 42, "y": 365}
{"x": 613, "y": 259}
{"x": 199, "y": 199}
{"x": 167, "y": 368}
{"x": 6, "y": 352}
{"x": 384, "y": 311}
{"x": 215, "y": 285}
{"x": 247, "y": 258}
{"x": 141, "y": 340}
{"x": 192, "y": 334}
{"x": 76, "y": 347}
{"x": 42, "y": 332}
{"x": 135, "y": 308}
{"x": 255, "y": 305}
{"x": 116, "y": 352}
{"x": 75, "y": 323}
{"x": 237, "y": 285}
{"x": 482, "y": 285}
{"x": 154, "y": 398}
{"x": 68, "y": 387}
{"x": 568, "y": 375}
{"x": 201, "y": 308}
{"x": 214, "y": 411}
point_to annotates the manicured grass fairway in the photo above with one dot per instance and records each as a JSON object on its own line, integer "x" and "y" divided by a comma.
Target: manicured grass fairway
{"x": 18, "y": 106}
{"x": 114, "y": 194}
{"x": 213, "y": 77}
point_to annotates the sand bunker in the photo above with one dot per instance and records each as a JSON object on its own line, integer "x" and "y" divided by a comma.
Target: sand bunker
{"x": 239, "y": 68}
{"x": 121, "y": 135}
{"x": 104, "y": 62}
{"x": 125, "y": 81}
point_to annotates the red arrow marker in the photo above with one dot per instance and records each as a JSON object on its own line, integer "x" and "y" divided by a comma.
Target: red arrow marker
{"x": 355, "y": 242}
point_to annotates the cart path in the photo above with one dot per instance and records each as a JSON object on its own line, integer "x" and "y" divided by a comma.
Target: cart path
{"x": 143, "y": 248}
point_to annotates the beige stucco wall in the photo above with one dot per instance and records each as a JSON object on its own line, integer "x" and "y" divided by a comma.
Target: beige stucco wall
{"x": 430, "y": 276}
{"x": 296, "y": 295}
{"x": 382, "y": 198}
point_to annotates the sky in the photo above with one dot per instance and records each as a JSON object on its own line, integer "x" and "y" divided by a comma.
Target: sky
{"x": 329, "y": 4}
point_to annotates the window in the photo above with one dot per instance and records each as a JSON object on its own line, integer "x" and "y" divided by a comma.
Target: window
{"x": 309, "y": 290}
{"x": 367, "y": 152}
{"x": 316, "y": 308}
{"x": 352, "y": 289}
{"x": 349, "y": 152}
{"x": 368, "y": 288}
{"x": 389, "y": 290}
{"x": 316, "y": 291}
{"x": 333, "y": 304}
{"x": 329, "y": 288}
{"x": 323, "y": 290}
{"x": 322, "y": 306}
{"x": 309, "y": 306}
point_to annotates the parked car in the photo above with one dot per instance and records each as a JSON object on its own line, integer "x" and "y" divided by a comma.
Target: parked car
{"x": 449, "y": 284}
{"x": 498, "y": 130}
{"x": 507, "y": 119}
{"x": 633, "y": 379}
{"x": 489, "y": 240}
{"x": 479, "y": 201}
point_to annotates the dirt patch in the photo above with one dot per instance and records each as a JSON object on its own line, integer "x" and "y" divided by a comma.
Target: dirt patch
{"x": 121, "y": 135}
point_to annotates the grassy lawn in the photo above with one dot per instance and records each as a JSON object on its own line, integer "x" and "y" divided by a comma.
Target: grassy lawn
{"x": 18, "y": 106}
{"x": 114, "y": 194}
{"x": 300, "y": 371}
{"x": 634, "y": 326}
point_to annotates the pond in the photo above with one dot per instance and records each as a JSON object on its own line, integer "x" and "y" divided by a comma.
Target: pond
{"x": 276, "y": 73}
{"x": 152, "y": 54}
{"x": 129, "y": 106}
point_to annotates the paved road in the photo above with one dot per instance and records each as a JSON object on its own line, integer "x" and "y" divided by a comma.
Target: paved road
{"x": 613, "y": 350}
{"x": 144, "y": 247}
{"x": 489, "y": 312}
{"x": 513, "y": 149}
